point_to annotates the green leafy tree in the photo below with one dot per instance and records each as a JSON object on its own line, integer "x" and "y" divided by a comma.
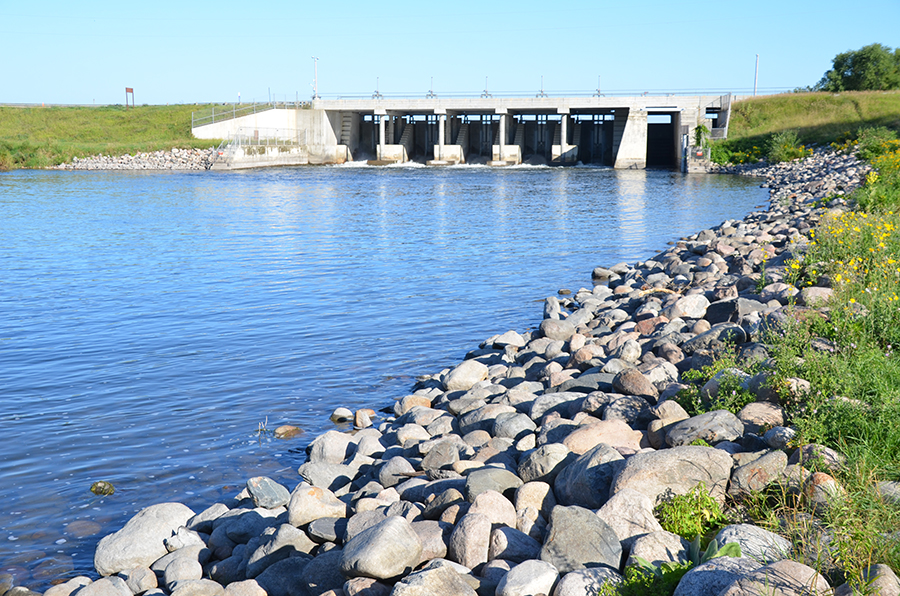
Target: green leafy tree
{"x": 871, "y": 68}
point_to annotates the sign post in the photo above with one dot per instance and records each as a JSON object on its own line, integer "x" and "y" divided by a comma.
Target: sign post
{"x": 129, "y": 91}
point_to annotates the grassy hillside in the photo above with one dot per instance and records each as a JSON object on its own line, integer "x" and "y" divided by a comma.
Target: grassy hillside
{"x": 40, "y": 137}
{"x": 816, "y": 117}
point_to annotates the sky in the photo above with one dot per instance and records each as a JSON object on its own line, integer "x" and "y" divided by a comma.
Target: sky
{"x": 169, "y": 52}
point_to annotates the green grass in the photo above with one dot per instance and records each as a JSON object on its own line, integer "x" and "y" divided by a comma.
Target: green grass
{"x": 816, "y": 118}
{"x": 41, "y": 137}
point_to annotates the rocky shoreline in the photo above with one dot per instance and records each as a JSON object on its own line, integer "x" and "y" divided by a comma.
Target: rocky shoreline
{"x": 534, "y": 466}
{"x": 176, "y": 159}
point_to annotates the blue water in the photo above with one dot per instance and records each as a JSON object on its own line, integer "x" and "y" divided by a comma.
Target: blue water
{"x": 151, "y": 322}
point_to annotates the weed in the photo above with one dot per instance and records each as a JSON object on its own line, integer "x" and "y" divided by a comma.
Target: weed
{"x": 785, "y": 146}
{"x": 690, "y": 515}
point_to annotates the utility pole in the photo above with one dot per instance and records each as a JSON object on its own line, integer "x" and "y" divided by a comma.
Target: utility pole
{"x": 316, "y": 80}
{"x": 756, "y": 76}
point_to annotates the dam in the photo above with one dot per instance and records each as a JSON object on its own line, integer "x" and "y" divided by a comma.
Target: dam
{"x": 626, "y": 132}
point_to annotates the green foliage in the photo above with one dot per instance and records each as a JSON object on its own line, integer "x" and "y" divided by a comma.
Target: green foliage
{"x": 652, "y": 581}
{"x": 646, "y": 579}
{"x": 731, "y": 395}
{"x": 870, "y": 68}
{"x": 874, "y": 141}
{"x": 690, "y": 515}
{"x": 785, "y": 146}
{"x": 701, "y": 133}
{"x": 43, "y": 137}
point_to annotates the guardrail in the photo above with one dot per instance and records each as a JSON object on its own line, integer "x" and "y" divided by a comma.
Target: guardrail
{"x": 222, "y": 113}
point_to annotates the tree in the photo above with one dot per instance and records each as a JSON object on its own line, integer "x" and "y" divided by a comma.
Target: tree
{"x": 871, "y": 68}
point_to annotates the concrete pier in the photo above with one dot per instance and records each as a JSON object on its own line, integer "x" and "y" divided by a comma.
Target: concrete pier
{"x": 621, "y": 132}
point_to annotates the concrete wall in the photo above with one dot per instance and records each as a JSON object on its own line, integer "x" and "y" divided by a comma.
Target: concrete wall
{"x": 395, "y": 153}
{"x": 449, "y": 153}
{"x": 261, "y": 157}
{"x": 564, "y": 153}
{"x": 632, "y": 150}
{"x": 317, "y": 127}
{"x": 508, "y": 153}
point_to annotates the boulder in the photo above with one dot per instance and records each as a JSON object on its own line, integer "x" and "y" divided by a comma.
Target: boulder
{"x": 431, "y": 581}
{"x": 658, "y": 548}
{"x": 267, "y": 493}
{"x": 630, "y": 514}
{"x": 587, "y": 480}
{"x": 782, "y": 578}
{"x": 675, "y": 471}
{"x": 712, "y": 427}
{"x": 577, "y": 538}
{"x": 758, "y": 544}
{"x": 465, "y": 375}
{"x": 586, "y": 582}
{"x": 387, "y": 550}
{"x": 470, "y": 541}
{"x": 140, "y": 542}
{"x": 309, "y": 503}
{"x": 710, "y": 578}
{"x": 528, "y": 578}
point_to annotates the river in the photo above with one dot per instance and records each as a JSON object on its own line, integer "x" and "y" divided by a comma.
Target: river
{"x": 152, "y": 324}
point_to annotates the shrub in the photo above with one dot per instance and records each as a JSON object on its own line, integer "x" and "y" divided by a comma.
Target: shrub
{"x": 875, "y": 141}
{"x": 785, "y": 146}
{"x": 690, "y": 515}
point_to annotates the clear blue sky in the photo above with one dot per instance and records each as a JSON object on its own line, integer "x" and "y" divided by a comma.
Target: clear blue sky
{"x": 186, "y": 52}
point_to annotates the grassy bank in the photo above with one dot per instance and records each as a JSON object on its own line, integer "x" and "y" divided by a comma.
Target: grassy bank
{"x": 809, "y": 118}
{"x": 41, "y": 137}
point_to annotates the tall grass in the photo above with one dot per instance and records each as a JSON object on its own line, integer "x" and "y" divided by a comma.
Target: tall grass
{"x": 41, "y": 137}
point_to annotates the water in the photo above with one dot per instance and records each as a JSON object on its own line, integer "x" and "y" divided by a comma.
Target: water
{"x": 151, "y": 323}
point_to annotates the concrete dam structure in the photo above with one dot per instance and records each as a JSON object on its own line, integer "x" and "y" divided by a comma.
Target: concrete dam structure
{"x": 620, "y": 132}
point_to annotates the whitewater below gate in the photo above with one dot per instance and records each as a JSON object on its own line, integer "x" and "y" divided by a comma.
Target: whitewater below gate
{"x": 155, "y": 327}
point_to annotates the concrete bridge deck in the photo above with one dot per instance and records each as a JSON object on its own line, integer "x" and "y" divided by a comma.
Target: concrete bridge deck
{"x": 622, "y": 132}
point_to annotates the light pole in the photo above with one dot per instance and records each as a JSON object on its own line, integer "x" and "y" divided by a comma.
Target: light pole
{"x": 316, "y": 79}
{"x": 756, "y": 76}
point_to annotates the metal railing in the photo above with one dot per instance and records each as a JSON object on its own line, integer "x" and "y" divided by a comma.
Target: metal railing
{"x": 225, "y": 112}
{"x": 259, "y": 137}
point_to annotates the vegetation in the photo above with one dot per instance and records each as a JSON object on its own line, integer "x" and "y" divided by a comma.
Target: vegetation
{"x": 692, "y": 515}
{"x": 42, "y": 137}
{"x": 873, "y": 67}
{"x": 815, "y": 118}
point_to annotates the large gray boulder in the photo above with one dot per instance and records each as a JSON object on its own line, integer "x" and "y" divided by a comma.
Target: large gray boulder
{"x": 439, "y": 579}
{"x": 284, "y": 578}
{"x": 675, "y": 471}
{"x": 586, "y": 582}
{"x": 756, "y": 543}
{"x": 658, "y": 548}
{"x": 587, "y": 480}
{"x": 712, "y": 427}
{"x": 470, "y": 541}
{"x": 710, "y": 578}
{"x": 630, "y": 514}
{"x": 544, "y": 463}
{"x": 323, "y": 573}
{"x": 463, "y": 376}
{"x": 309, "y": 503}
{"x": 140, "y": 542}
{"x": 577, "y": 538}
{"x": 528, "y": 577}
{"x": 387, "y": 550}
{"x": 782, "y": 578}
